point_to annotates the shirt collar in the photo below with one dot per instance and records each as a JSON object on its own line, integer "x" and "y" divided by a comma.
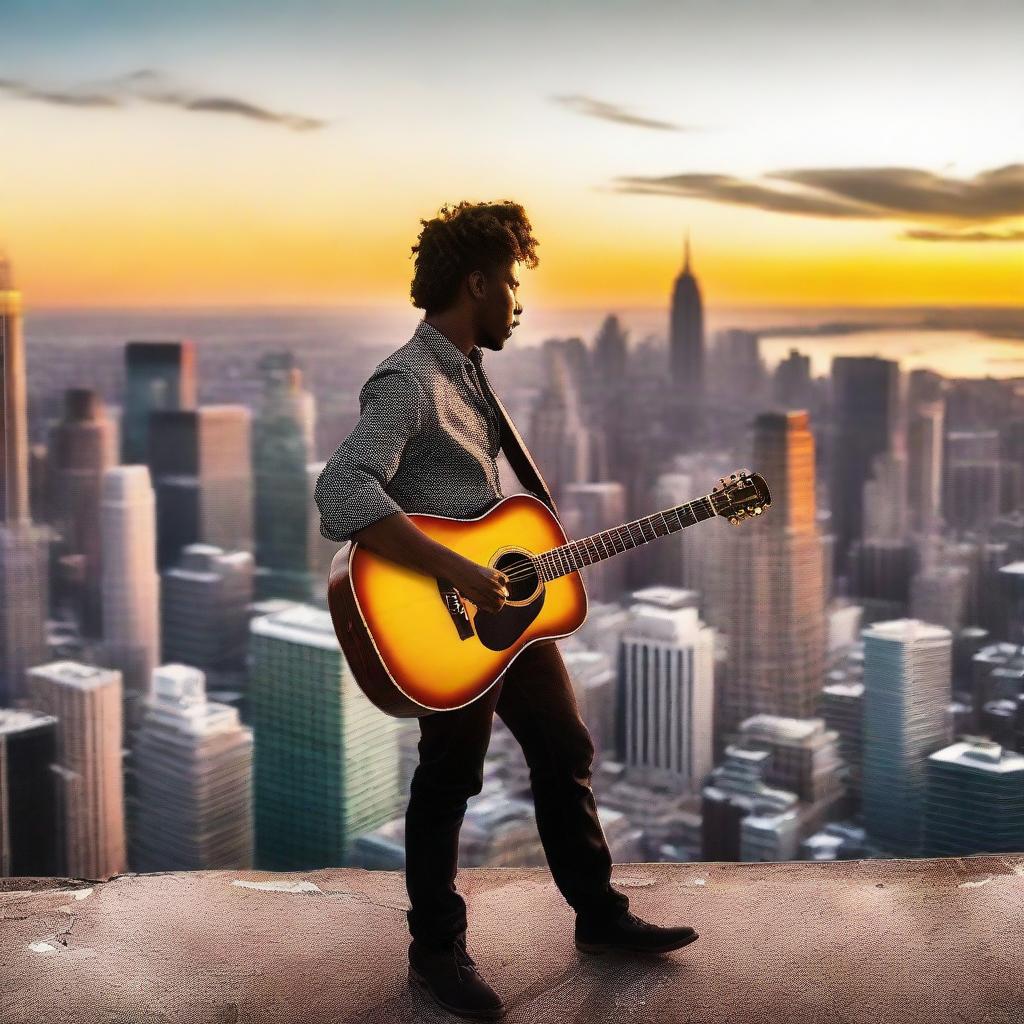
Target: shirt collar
{"x": 448, "y": 354}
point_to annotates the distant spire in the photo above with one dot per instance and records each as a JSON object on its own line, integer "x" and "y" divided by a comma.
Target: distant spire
{"x": 686, "y": 253}
{"x": 5, "y": 272}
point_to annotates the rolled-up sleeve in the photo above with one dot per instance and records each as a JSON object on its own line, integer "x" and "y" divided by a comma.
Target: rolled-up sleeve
{"x": 350, "y": 490}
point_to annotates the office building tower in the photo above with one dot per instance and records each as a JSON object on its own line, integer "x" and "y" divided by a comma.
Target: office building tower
{"x": 206, "y": 596}
{"x": 202, "y": 473}
{"x": 805, "y": 754}
{"x": 589, "y": 508}
{"x": 972, "y": 479}
{"x": 326, "y": 759}
{"x": 842, "y": 708}
{"x": 1011, "y": 590}
{"x": 884, "y": 515}
{"x": 666, "y": 688}
{"x": 734, "y": 790}
{"x": 283, "y": 445}
{"x": 686, "y": 334}
{"x": 793, "y": 387}
{"x": 30, "y": 831}
{"x": 159, "y": 375}
{"x": 560, "y": 436}
{"x": 24, "y": 547}
{"x": 193, "y": 766}
{"x": 939, "y": 596}
{"x": 975, "y": 800}
{"x": 907, "y": 670}
{"x": 766, "y": 590}
{"x": 735, "y": 365}
{"x": 925, "y": 433}
{"x": 86, "y": 701}
{"x": 865, "y": 396}
{"x": 130, "y": 584}
{"x": 82, "y": 448}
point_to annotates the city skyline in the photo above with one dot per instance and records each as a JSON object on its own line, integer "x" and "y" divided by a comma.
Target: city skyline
{"x": 223, "y": 155}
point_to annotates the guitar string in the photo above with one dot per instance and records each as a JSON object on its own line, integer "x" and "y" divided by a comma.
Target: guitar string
{"x": 524, "y": 573}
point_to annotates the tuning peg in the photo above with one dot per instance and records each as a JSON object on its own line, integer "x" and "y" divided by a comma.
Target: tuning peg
{"x": 734, "y": 521}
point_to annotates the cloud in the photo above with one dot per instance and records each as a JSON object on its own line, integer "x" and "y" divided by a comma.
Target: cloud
{"x": 613, "y": 112}
{"x": 865, "y": 193}
{"x": 155, "y": 87}
{"x": 925, "y": 235}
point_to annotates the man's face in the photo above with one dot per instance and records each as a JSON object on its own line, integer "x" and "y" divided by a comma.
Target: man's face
{"x": 499, "y": 308}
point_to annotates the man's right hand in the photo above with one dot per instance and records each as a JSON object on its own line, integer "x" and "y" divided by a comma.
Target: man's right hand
{"x": 487, "y": 588}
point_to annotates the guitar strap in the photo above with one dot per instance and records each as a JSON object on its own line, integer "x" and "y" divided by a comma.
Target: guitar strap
{"x": 512, "y": 444}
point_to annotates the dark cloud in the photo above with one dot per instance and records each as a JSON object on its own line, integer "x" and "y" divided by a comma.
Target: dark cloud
{"x": 865, "y": 193}
{"x": 613, "y": 112}
{"x": 925, "y": 235}
{"x": 154, "y": 87}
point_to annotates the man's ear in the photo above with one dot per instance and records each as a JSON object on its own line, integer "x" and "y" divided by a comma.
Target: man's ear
{"x": 477, "y": 284}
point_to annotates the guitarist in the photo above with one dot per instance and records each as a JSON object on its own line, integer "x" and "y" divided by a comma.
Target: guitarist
{"x": 426, "y": 441}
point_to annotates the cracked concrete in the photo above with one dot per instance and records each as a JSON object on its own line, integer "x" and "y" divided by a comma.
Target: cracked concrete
{"x": 900, "y": 942}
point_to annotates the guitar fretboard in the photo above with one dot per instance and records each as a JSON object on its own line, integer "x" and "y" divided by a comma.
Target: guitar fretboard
{"x": 569, "y": 557}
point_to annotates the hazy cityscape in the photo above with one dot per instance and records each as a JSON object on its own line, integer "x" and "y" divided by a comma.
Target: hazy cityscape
{"x": 842, "y": 678}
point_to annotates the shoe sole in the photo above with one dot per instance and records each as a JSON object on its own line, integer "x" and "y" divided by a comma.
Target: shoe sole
{"x": 417, "y": 979}
{"x": 609, "y": 947}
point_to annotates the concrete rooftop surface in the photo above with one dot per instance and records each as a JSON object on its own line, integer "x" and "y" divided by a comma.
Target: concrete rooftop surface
{"x": 894, "y": 941}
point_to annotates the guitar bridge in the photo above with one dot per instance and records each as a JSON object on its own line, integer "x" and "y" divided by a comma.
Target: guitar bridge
{"x": 456, "y": 609}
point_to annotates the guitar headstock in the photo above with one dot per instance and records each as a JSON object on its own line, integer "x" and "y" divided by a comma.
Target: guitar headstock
{"x": 742, "y": 495}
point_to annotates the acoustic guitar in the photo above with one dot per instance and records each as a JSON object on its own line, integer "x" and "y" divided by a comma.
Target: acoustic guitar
{"x": 416, "y": 646}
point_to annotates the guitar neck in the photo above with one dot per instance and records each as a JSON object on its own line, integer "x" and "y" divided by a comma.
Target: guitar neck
{"x": 569, "y": 557}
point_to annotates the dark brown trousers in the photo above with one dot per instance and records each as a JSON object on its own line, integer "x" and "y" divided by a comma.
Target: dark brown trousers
{"x": 535, "y": 699}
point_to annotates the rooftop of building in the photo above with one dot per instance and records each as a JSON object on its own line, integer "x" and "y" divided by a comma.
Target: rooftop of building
{"x": 899, "y": 941}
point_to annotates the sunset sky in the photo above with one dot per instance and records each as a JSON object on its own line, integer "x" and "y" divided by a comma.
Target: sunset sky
{"x": 821, "y": 153}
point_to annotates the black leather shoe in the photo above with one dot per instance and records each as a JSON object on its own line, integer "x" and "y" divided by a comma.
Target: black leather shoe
{"x": 630, "y": 934}
{"x": 449, "y": 977}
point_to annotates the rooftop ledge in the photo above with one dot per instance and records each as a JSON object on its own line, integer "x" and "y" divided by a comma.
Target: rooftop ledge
{"x": 891, "y": 941}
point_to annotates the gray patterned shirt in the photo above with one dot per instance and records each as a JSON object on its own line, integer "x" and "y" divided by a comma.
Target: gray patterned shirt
{"x": 426, "y": 441}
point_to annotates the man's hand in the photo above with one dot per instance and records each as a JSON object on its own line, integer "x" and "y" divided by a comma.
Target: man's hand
{"x": 487, "y": 588}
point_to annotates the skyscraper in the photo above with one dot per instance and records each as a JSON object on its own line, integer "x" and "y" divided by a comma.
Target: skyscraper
{"x": 24, "y": 581}
{"x": 158, "y": 375}
{"x": 86, "y": 701}
{"x": 326, "y": 760}
{"x": 193, "y": 765}
{"x": 686, "y": 334}
{"x": 666, "y": 685}
{"x": 766, "y": 588}
{"x": 82, "y": 448}
{"x": 30, "y": 833}
{"x": 907, "y": 669}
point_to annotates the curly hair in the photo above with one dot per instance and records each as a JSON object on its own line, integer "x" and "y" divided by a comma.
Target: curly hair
{"x": 464, "y": 238}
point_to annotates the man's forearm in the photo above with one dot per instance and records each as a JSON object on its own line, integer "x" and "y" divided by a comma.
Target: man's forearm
{"x": 397, "y": 538}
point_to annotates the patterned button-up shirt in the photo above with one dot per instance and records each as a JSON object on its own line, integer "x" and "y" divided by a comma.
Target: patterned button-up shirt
{"x": 426, "y": 441}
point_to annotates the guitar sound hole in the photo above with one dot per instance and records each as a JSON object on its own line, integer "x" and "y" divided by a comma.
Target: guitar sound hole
{"x": 523, "y": 580}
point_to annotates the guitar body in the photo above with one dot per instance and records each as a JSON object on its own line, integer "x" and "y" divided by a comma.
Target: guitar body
{"x": 415, "y": 646}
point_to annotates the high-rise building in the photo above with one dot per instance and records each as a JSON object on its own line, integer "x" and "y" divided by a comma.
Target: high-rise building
{"x": 283, "y": 445}
{"x": 130, "y": 584}
{"x": 842, "y": 707}
{"x": 666, "y": 687}
{"x": 158, "y": 375}
{"x": 925, "y": 432}
{"x": 865, "y": 409}
{"x": 907, "y": 670}
{"x": 204, "y": 618}
{"x": 766, "y": 589}
{"x": 594, "y": 683}
{"x": 975, "y": 800}
{"x": 82, "y": 448}
{"x": 193, "y": 766}
{"x": 972, "y": 478}
{"x": 86, "y": 701}
{"x": 24, "y": 547}
{"x": 31, "y": 839}
{"x": 202, "y": 473}
{"x": 939, "y": 595}
{"x": 589, "y": 508}
{"x": 686, "y": 333}
{"x": 326, "y": 759}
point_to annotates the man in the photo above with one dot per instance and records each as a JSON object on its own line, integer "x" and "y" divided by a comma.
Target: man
{"x": 426, "y": 441}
